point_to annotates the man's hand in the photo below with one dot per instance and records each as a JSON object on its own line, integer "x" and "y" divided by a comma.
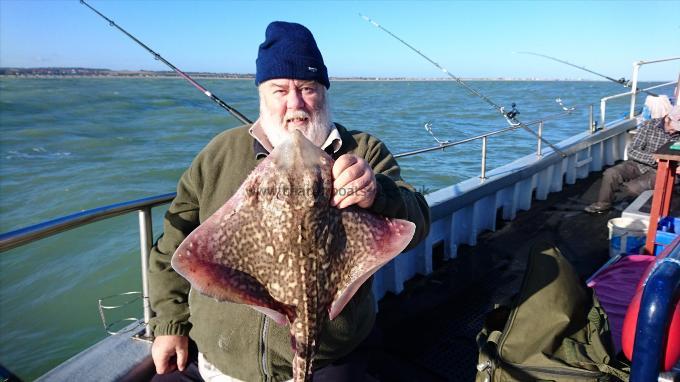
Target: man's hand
{"x": 354, "y": 182}
{"x": 170, "y": 353}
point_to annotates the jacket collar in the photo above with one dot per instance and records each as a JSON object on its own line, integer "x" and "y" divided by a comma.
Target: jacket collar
{"x": 262, "y": 147}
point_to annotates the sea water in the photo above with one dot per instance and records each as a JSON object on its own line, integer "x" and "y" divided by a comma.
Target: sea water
{"x": 71, "y": 144}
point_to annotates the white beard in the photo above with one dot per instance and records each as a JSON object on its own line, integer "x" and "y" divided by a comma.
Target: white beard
{"x": 318, "y": 126}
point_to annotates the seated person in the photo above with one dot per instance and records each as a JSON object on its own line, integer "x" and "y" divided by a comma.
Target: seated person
{"x": 637, "y": 174}
{"x": 654, "y": 104}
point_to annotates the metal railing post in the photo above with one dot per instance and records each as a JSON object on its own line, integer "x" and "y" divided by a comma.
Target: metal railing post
{"x": 483, "y": 176}
{"x": 540, "y": 134}
{"x": 633, "y": 90}
{"x": 603, "y": 110}
{"x": 145, "y": 243}
{"x": 591, "y": 120}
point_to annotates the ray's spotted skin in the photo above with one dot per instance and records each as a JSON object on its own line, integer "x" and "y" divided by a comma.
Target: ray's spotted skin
{"x": 279, "y": 246}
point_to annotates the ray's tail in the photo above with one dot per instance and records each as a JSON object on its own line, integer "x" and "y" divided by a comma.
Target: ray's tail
{"x": 305, "y": 333}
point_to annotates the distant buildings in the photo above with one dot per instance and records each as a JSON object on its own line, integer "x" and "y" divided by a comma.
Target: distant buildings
{"x": 92, "y": 72}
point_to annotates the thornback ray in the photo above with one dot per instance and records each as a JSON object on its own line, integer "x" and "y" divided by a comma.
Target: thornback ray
{"x": 280, "y": 247}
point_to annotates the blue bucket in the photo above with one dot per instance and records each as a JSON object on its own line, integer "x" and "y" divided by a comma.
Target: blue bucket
{"x": 626, "y": 236}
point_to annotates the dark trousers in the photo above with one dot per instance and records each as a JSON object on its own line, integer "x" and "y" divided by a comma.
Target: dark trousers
{"x": 350, "y": 368}
{"x": 627, "y": 178}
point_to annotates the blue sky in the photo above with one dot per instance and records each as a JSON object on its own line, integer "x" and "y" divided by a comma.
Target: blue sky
{"x": 470, "y": 39}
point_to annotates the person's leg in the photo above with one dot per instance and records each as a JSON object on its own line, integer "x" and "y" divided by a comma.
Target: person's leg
{"x": 612, "y": 179}
{"x": 633, "y": 188}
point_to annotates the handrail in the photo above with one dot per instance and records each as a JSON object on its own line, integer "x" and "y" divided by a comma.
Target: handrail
{"x": 143, "y": 206}
{"x": 485, "y": 138}
{"x": 603, "y": 100}
{"x": 442, "y": 146}
{"x": 42, "y": 230}
{"x": 642, "y": 62}
{"x": 456, "y": 143}
{"x": 634, "y": 79}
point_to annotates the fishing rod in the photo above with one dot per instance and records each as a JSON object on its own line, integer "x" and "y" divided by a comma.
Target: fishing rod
{"x": 158, "y": 57}
{"x": 621, "y": 80}
{"x": 510, "y": 116}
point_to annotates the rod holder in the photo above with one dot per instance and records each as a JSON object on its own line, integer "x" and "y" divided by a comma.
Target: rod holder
{"x": 118, "y": 301}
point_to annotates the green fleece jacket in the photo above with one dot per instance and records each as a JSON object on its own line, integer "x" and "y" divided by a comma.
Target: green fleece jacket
{"x": 237, "y": 339}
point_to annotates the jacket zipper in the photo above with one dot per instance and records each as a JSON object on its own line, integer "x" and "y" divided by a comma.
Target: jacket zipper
{"x": 265, "y": 327}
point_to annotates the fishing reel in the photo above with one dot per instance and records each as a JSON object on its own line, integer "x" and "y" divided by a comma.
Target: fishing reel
{"x": 624, "y": 82}
{"x": 510, "y": 115}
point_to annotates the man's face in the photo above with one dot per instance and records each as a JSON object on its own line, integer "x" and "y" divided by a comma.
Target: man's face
{"x": 287, "y": 105}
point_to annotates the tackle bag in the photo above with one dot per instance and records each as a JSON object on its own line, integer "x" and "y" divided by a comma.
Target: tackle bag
{"x": 555, "y": 329}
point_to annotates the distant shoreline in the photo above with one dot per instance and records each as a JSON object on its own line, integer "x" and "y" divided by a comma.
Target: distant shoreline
{"x": 332, "y": 79}
{"x": 76, "y": 72}
{"x": 50, "y": 72}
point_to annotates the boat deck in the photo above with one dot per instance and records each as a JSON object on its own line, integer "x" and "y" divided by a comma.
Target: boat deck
{"x": 427, "y": 333}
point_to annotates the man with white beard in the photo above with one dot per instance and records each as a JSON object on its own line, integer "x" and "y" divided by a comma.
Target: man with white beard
{"x": 235, "y": 342}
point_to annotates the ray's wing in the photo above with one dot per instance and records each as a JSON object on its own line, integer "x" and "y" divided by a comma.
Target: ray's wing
{"x": 371, "y": 241}
{"x": 215, "y": 260}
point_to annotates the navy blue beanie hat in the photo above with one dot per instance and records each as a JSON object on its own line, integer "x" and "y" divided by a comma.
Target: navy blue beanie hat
{"x": 289, "y": 51}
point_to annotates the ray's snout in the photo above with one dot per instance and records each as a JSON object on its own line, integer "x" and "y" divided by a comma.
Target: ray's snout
{"x": 298, "y": 151}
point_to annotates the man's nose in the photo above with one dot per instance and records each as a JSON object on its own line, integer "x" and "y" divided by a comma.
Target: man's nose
{"x": 294, "y": 99}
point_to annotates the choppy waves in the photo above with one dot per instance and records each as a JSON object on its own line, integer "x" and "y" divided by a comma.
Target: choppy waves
{"x": 36, "y": 153}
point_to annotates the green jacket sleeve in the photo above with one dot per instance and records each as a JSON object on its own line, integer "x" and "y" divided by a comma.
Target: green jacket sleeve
{"x": 169, "y": 291}
{"x": 395, "y": 197}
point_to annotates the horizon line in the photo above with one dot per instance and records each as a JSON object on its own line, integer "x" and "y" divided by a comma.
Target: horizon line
{"x": 105, "y": 72}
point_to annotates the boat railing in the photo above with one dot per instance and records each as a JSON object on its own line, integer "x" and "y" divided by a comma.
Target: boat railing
{"x": 107, "y": 303}
{"x": 604, "y": 100}
{"x": 48, "y": 228}
{"x": 634, "y": 78}
{"x": 634, "y": 88}
{"x": 484, "y": 138}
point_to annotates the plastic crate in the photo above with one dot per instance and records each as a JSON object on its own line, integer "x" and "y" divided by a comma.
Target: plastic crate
{"x": 667, "y": 230}
{"x": 635, "y": 209}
